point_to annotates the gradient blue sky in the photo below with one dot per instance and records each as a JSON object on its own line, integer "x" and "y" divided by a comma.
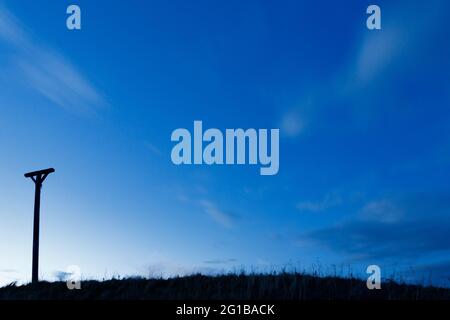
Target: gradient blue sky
{"x": 364, "y": 123}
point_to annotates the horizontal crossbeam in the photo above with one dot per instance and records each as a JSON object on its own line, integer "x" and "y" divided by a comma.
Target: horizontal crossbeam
{"x": 39, "y": 173}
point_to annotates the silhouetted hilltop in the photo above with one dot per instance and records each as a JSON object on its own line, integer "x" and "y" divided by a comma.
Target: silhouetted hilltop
{"x": 287, "y": 286}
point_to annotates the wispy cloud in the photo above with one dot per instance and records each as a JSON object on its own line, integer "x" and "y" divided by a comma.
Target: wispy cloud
{"x": 294, "y": 119}
{"x": 403, "y": 34}
{"x": 221, "y": 217}
{"x": 375, "y": 55}
{"x": 329, "y": 201}
{"x": 153, "y": 148}
{"x": 412, "y": 227}
{"x": 47, "y": 71}
{"x": 382, "y": 210}
{"x": 220, "y": 261}
{"x": 385, "y": 241}
{"x": 292, "y": 123}
{"x": 10, "y": 30}
{"x": 212, "y": 210}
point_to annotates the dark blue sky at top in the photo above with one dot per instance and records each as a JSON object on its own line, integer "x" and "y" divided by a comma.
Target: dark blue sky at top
{"x": 364, "y": 124}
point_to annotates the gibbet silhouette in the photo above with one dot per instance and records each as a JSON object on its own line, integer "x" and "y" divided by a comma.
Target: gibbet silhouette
{"x": 38, "y": 178}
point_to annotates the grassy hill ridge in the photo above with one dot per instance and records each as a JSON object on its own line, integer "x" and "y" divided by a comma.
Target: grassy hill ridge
{"x": 286, "y": 286}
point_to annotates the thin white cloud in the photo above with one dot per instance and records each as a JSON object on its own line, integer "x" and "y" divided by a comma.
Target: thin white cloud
{"x": 221, "y": 261}
{"x": 291, "y": 124}
{"x": 219, "y": 216}
{"x": 294, "y": 120}
{"x": 222, "y": 218}
{"x": 46, "y": 71}
{"x": 329, "y": 201}
{"x": 10, "y": 30}
{"x": 382, "y": 211}
{"x": 398, "y": 39}
{"x": 153, "y": 149}
{"x": 375, "y": 54}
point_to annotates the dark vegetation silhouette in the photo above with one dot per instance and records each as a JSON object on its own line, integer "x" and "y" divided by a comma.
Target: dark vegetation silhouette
{"x": 280, "y": 286}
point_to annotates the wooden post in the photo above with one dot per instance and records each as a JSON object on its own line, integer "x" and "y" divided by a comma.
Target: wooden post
{"x": 38, "y": 177}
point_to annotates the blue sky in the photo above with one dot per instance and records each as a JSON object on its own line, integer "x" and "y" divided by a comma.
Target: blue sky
{"x": 364, "y": 125}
